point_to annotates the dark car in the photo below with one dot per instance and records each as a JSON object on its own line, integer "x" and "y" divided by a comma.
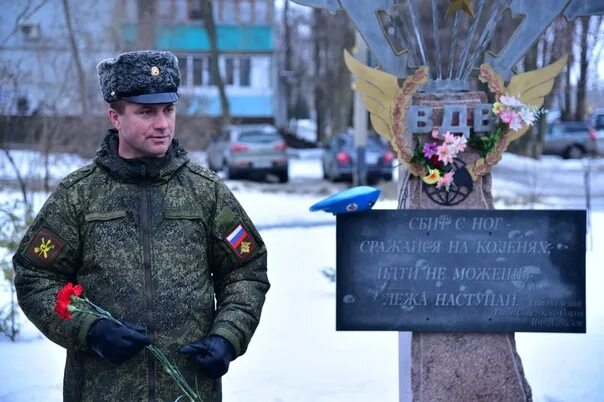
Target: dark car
{"x": 597, "y": 133}
{"x": 340, "y": 155}
{"x": 569, "y": 139}
{"x": 249, "y": 150}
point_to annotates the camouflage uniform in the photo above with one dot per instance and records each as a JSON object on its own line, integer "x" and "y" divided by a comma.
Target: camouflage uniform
{"x": 149, "y": 241}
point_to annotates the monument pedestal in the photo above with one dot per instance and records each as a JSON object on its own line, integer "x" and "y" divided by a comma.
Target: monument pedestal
{"x": 461, "y": 366}
{"x": 467, "y": 367}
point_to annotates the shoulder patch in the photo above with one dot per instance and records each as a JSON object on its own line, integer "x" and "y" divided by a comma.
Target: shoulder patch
{"x": 202, "y": 171}
{"x": 44, "y": 247}
{"x": 225, "y": 220}
{"x": 77, "y": 175}
{"x": 240, "y": 242}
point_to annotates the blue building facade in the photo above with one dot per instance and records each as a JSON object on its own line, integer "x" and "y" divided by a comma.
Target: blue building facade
{"x": 37, "y": 73}
{"x": 245, "y": 35}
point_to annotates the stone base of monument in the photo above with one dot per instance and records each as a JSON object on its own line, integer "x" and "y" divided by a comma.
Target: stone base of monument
{"x": 467, "y": 367}
{"x": 463, "y": 366}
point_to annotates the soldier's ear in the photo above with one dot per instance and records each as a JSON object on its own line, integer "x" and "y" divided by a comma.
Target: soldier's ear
{"x": 114, "y": 117}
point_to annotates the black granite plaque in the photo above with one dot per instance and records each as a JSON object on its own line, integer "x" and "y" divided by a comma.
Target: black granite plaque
{"x": 461, "y": 270}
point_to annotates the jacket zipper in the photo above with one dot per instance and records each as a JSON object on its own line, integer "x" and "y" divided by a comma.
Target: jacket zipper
{"x": 144, "y": 218}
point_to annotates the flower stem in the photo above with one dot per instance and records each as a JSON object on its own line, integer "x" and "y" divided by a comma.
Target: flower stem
{"x": 169, "y": 367}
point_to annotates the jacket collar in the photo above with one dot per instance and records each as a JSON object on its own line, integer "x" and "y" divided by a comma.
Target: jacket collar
{"x": 135, "y": 170}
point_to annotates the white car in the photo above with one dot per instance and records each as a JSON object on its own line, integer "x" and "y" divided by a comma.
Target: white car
{"x": 246, "y": 150}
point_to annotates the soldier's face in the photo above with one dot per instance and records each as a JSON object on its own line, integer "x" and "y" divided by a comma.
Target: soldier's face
{"x": 144, "y": 130}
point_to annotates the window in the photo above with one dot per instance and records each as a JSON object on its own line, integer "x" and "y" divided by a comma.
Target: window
{"x": 197, "y": 71}
{"x": 245, "y": 12}
{"x": 229, "y": 73}
{"x": 182, "y": 66}
{"x": 166, "y": 9}
{"x": 228, "y": 11}
{"x": 213, "y": 79}
{"x": 261, "y": 11}
{"x": 244, "y": 72}
{"x": 195, "y": 12}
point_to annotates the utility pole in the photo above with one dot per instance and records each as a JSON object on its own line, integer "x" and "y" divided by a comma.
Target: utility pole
{"x": 360, "y": 119}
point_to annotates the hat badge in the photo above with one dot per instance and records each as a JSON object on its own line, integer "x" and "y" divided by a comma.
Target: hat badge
{"x": 154, "y": 71}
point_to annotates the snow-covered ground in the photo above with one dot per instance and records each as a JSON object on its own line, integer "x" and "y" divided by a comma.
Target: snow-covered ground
{"x": 296, "y": 354}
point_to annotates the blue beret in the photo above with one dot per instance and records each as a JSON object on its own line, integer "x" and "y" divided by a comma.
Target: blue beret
{"x": 355, "y": 199}
{"x": 144, "y": 76}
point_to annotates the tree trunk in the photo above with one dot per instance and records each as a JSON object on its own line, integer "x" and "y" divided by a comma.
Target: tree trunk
{"x": 333, "y": 92}
{"x": 580, "y": 111}
{"x": 566, "y": 114}
{"x": 320, "y": 106}
{"x": 146, "y": 24}
{"x": 287, "y": 63}
{"x": 75, "y": 54}
{"x": 210, "y": 26}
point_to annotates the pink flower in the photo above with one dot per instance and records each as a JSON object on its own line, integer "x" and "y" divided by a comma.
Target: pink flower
{"x": 506, "y": 116}
{"x": 460, "y": 143}
{"x": 435, "y": 133}
{"x": 449, "y": 138}
{"x": 445, "y": 181}
{"x": 444, "y": 154}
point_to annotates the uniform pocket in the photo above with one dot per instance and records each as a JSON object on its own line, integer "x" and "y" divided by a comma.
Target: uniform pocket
{"x": 106, "y": 236}
{"x": 105, "y": 216}
{"x": 175, "y": 214}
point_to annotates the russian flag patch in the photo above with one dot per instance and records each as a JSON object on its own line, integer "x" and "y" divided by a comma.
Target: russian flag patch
{"x": 240, "y": 241}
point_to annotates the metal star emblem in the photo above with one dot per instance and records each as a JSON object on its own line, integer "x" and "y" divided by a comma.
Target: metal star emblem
{"x": 464, "y": 5}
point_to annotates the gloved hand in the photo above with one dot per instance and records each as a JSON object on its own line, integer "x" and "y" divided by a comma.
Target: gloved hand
{"x": 114, "y": 342}
{"x": 212, "y": 354}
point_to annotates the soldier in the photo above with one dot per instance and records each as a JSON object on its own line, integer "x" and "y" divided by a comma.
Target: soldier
{"x": 156, "y": 240}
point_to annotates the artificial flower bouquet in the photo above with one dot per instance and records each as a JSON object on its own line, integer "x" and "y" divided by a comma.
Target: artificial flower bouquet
{"x": 436, "y": 156}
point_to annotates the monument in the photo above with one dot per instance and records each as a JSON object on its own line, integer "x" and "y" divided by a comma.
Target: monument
{"x": 424, "y": 98}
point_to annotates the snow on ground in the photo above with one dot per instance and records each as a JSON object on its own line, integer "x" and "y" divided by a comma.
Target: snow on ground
{"x": 297, "y": 356}
{"x": 570, "y": 367}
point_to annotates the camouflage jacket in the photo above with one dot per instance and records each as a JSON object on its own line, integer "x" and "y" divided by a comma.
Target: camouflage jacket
{"x": 162, "y": 243}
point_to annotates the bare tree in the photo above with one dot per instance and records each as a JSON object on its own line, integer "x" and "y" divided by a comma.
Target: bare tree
{"x": 210, "y": 26}
{"x": 76, "y": 59}
{"x": 287, "y": 61}
{"x": 333, "y": 92}
{"x": 590, "y": 27}
{"x": 146, "y": 24}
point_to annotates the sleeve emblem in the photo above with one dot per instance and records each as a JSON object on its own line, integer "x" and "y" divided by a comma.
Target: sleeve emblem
{"x": 240, "y": 241}
{"x": 44, "y": 247}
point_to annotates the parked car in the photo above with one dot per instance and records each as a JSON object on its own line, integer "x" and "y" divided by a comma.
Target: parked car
{"x": 569, "y": 139}
{"x": 242, "y": 151}
{"x": 597, "y": 124}
{"x": 340, "y": 156}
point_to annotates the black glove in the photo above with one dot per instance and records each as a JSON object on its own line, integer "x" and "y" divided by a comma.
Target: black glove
{"x": 115, "y": 342}
{"x": 212, "y": 354}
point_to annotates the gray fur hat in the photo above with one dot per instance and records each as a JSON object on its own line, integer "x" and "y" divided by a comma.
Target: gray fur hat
{"x": 144, "y": 76}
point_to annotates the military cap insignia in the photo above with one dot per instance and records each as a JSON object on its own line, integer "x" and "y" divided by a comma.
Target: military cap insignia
{"x": 353, "y": 206}
{"x": 154, "y": 71}
{"x": 241, "y": 242}
{"x": 44, "y": 247}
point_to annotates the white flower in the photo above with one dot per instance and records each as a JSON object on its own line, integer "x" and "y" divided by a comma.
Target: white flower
{"x": 510, "y": 100}
{"x": 516, "y": 123}
{"x": 527, "y": 116}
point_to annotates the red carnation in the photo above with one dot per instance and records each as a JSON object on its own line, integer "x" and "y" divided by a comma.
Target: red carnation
{"x": 436, "y": 162}
{"x": 64, "y": 299}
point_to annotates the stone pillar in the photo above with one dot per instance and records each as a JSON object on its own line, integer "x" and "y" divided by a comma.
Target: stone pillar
{"x": 462, "y": 366}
